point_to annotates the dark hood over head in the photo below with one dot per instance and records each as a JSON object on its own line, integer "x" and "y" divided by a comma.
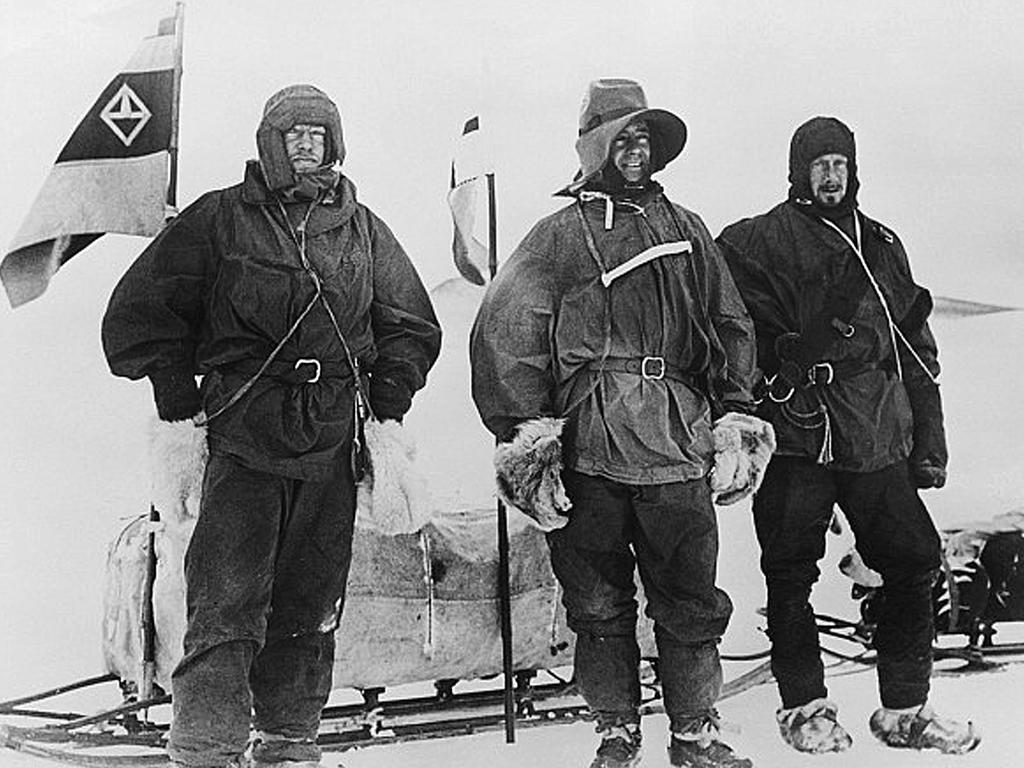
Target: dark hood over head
{"x": 822, "y": 136}
{"x": 290, "y": 106}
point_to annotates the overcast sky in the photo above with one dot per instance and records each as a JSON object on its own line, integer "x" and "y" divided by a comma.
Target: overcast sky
{"x": 933, "y": 90}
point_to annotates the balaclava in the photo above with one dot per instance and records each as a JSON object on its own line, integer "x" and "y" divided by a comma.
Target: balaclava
{"x": 290, "y": 106}
{"x": 822, "y": 136}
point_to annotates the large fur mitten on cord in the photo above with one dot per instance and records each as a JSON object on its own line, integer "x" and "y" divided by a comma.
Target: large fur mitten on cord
{"x": 392, "y": 498}
{"x": 177, "y": 458}
{"x": 528, "y": 472}
{"x": 743, "y": 446}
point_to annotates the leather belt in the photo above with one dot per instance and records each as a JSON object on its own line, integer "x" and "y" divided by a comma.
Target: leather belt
{"x": 780, "y": 387}
{"x": 650, "y": 367}
{"x": 305, "y": 370}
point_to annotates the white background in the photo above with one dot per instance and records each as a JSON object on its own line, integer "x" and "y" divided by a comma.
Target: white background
{"x": 933, "y": 90}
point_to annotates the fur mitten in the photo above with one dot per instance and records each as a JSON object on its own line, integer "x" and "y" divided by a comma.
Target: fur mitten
{"x": 743, "y": 447}
{"x": 177, "y": 457}
{"x": 852, "y": 566}
{"x": 392, "y": 498}
{"x": 528, "y": 471}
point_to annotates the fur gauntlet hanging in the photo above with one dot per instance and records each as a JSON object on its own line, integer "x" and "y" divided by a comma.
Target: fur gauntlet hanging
{"x": 393, "y": 497}
{"x": 528, "y": 473}
{"x": 177, "y": 458}
{"x": 743, "y": 446}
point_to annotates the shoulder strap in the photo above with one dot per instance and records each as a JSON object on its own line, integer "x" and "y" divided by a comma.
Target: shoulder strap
{"x": 834, "y": 315}
{"x": 588, "y": 236}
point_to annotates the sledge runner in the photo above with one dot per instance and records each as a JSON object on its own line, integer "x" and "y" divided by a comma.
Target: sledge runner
{"x": 301, "y": 311}
{"x": 851, "y": 390}
{"x": 618, "y": 316}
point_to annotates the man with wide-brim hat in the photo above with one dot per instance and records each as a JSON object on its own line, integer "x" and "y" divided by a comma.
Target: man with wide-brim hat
{"x": 609, "y": 106}
{"x": 615, "y": 330}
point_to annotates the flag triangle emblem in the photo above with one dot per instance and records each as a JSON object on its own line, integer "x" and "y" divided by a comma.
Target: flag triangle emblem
{"x": 126, "y": 114}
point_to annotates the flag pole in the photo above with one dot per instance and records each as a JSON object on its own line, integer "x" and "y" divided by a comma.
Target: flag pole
{"x": 148, "y": 611}
{"x": 179, "y": 39}
{"x": 504, "y": 588}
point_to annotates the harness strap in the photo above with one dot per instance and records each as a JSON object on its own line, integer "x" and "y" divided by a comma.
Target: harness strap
{"x": 856, "y": 247}
{"x": 239, "y": 393}
{"x": 894, "y": 329}
{"x": 645, "y": 256}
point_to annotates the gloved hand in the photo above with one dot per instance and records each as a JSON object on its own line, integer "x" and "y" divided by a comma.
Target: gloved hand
{"x": 927, "y": 474}
{"x": 389, "y": 398}
{"x": 743, "y": 447}
{"x": 175, "y": 393}
{"x": 929, "y": 454}
{"x": 528, "y": 473}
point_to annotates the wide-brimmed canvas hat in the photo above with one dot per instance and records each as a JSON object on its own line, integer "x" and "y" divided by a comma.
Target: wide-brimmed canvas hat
{"x": 609, "y": 106}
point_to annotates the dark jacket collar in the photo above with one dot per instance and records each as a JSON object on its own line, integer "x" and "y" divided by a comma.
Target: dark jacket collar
{"x": 327, "y": 215}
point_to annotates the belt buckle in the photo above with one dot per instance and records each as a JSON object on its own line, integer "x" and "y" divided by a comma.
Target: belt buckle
{"x": 313, "y": 361}
{"x": 659, "y": 363}
{"x": 826, "y": 367}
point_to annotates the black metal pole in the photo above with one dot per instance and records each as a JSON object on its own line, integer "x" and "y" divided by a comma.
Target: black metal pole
{"x": 179, "y": 32}
{"x": 504, "y": 589}
{"x": 148, "y": 615}
{"x": 5, "y": 706}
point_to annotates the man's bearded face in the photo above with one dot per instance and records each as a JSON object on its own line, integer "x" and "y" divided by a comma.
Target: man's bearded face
{"x": 829, "y": 176}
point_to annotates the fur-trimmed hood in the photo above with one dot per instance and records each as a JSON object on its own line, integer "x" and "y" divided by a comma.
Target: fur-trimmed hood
{"x": 290, "y": 106}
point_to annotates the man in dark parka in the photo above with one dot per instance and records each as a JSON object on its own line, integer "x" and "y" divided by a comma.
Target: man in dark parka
{"x": 618, "y": 315}
{"x": 303, "y": 316}
{"x": 851, "y": 368}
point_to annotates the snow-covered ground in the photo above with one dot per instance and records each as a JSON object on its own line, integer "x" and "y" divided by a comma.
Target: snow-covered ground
{"x": 74, "y": 469}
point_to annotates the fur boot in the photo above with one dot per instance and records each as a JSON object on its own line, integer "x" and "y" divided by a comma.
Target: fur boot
{"x": 621, "y": 746}
{"x": 528, "y": 472}
{"x": 700, "y": 746}
{"x": 743, "y": 447}
{"x": 813, "y": 728}
{"x": 392, "y": 498}
{"x": 921, "y": 728}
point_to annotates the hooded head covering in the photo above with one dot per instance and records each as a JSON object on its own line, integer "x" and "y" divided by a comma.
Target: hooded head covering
{"x": 296, "y": 104}
{"x": 609, "y": 106}
{"x": 822, "y": 136}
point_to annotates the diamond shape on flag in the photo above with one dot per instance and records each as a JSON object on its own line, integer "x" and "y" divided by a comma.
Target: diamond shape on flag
{"x": 126, "y": 114}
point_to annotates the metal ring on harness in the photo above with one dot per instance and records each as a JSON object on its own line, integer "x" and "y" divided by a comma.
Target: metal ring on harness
{"x": 770, "y": 386}
{"x": 826, "y": 367}
{"x": 312, "y": 360}
{"x": 659, "y": 368}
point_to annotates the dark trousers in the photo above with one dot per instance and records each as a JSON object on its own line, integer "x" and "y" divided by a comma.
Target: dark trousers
{"x": 894, "y": 535}
{"x": 265, "y": 577}
{"x": 670, "y": 532}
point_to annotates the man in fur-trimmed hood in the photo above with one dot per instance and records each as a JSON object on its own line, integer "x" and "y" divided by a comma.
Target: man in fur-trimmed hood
{"x": 304, "y": 317}
{"x": 613, "y": 340}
